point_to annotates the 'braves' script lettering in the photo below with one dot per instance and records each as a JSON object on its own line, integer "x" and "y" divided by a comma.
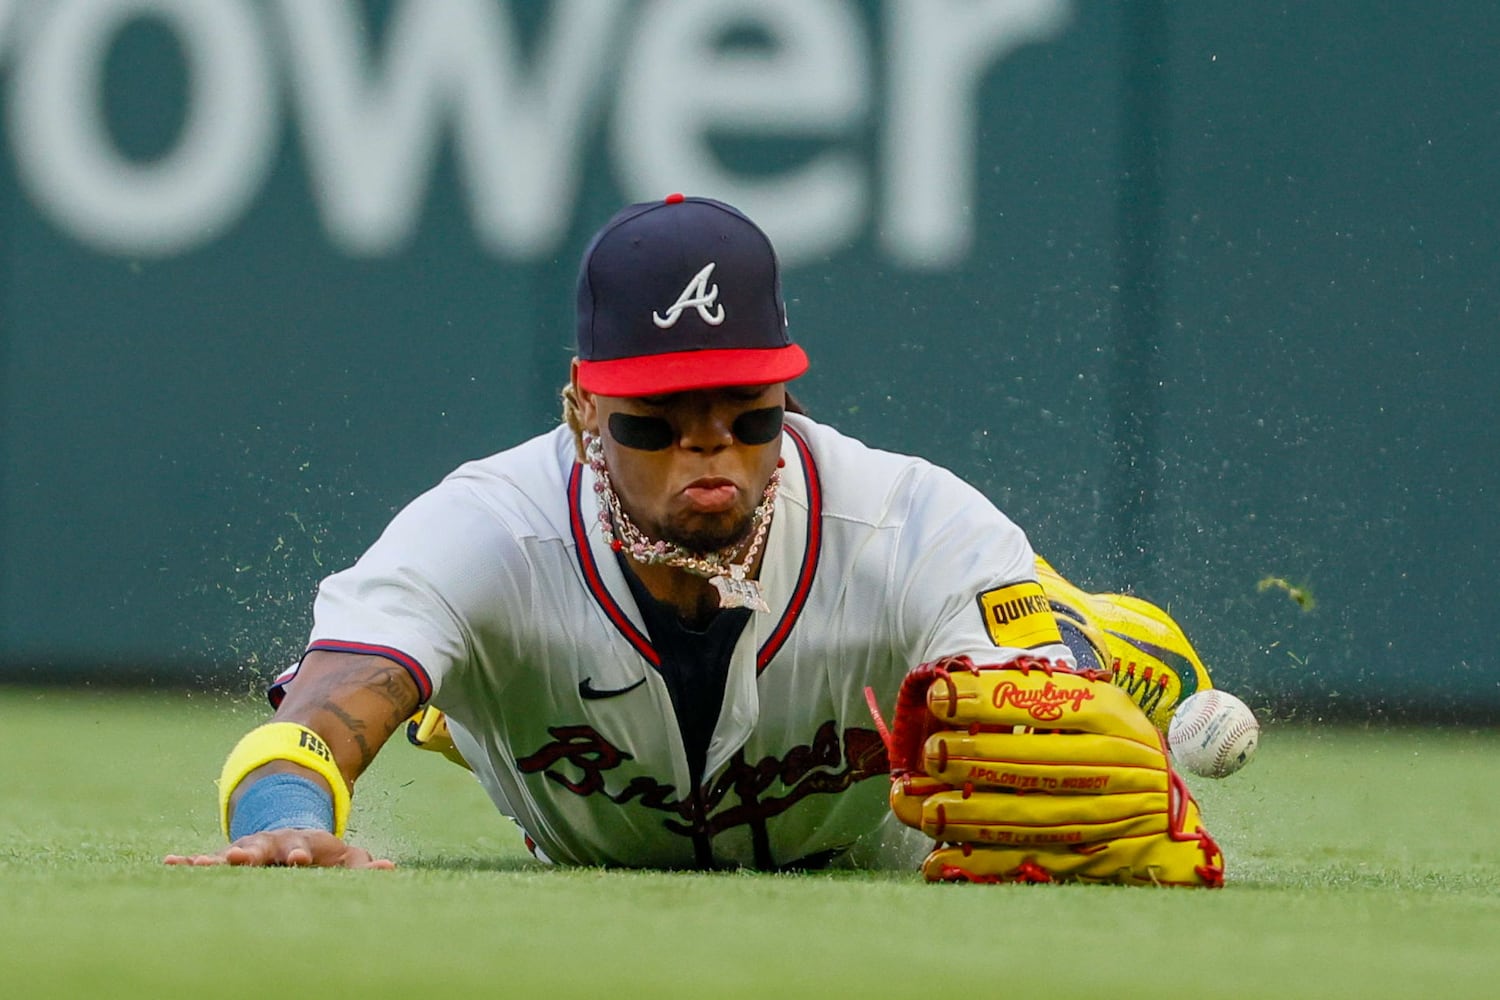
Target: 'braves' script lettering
{"x": 585, "y": 749}
{"x": 830, "y": 763}
{"x": 1045, "y": 704}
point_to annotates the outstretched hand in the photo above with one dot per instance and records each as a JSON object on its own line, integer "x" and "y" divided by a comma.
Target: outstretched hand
{"x": 286, "y": 848}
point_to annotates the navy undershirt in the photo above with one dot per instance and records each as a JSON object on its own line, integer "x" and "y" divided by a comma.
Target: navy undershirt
{"x": 694, "y": 664}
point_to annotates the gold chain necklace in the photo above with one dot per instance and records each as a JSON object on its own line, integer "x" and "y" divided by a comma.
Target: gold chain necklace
{"x": 730, "y": 578}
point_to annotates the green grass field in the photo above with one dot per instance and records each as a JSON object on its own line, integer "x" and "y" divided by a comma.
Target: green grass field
{"x": 1363, "y": 863}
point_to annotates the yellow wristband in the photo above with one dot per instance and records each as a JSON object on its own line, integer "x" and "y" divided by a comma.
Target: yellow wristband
{"x": 283, "y": 741}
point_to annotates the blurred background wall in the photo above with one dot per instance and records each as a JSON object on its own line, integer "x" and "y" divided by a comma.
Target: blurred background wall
{"x": 1203, "y": 294}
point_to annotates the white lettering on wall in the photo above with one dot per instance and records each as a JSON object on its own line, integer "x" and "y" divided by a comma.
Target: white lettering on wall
{"x": 7, "y": 17}
{"x": 67, "y": 160}
{"x": 655, "y": 75}
{"x": 371, "y": 127}
{"x": 939, "y": 50}
{"x": 677, "y": 88}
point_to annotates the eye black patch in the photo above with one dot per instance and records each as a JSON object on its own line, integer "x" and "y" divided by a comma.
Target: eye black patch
{"x": 758, "y": 426}
{"x": 641, "y": 433}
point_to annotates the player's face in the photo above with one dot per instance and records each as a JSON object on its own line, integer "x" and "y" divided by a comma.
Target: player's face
{"x": 690, "y": 467}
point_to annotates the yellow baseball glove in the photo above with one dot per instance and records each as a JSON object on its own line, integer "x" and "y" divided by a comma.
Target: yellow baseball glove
{"x": 1025, "y": 772}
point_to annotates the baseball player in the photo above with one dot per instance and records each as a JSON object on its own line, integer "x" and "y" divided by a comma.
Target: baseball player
{"x": 669, "y": 632}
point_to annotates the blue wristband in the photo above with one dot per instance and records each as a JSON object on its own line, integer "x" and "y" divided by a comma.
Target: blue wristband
{"x": 281, "y": 802}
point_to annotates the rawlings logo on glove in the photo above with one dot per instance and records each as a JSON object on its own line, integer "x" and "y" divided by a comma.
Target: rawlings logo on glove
{"x": 1026, "y": 772}
{"x": 1045, "y": 705}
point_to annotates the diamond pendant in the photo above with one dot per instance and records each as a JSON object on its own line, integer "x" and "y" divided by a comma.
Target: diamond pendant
{"x": 737, "y": 592}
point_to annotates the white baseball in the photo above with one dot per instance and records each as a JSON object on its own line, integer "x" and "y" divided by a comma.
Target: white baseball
{"x": 1213, "y": 734}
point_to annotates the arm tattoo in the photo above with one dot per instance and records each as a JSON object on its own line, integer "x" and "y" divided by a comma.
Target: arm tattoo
{"x": 394, "y": 686}
{"x": 356, "y": 728}
{"x": 368, "y": 702}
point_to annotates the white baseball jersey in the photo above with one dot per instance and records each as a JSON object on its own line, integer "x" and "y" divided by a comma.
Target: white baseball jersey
{"x": 500, "y": 595}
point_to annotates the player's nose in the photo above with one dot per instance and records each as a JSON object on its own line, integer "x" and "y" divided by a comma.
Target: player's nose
{"x": 709, "y": 430}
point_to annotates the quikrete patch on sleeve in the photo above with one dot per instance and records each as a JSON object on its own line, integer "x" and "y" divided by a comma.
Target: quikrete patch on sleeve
{"x": 1019, "y": 616}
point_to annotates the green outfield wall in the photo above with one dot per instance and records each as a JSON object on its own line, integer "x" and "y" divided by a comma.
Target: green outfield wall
{"x": 1204, "y": 294}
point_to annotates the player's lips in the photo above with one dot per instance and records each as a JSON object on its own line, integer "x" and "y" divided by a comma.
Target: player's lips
{"x": 711, "y": 495}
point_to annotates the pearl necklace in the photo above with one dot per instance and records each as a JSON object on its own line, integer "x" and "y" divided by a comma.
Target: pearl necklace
{"x": 729, "y": 578}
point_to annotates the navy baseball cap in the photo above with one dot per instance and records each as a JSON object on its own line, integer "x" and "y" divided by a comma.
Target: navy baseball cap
{"x": 679, "y": 294}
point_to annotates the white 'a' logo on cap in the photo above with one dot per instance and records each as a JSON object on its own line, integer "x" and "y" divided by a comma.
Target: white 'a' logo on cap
{"x": 697, "y": 295}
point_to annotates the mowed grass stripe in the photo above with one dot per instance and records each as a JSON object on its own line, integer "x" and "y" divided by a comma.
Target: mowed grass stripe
{"x": 1360, "y": 865}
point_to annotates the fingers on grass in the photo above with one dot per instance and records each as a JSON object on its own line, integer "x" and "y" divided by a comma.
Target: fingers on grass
{"x": 247, "y": 855}
{"x": 259, "y": 851}
{"x": 192, "y": 860}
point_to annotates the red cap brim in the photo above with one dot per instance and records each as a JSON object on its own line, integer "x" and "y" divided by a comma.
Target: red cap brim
{"x": 682, "y": 371}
